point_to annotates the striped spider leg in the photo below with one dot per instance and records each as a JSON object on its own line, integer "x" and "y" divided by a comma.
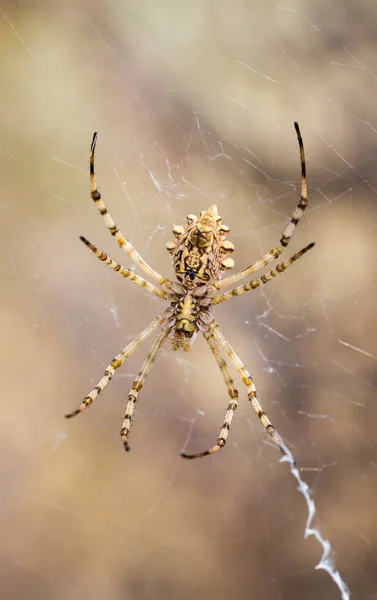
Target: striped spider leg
{"x": 251, "y": 390}
{"x": 138, "y": 384}
{"x": 119, "y": 360}
{"x": 216, "y": 338}
{"x": 232, "y": 405}
{"x": 286, "y": 237}
{"x": 126, "y": 246}
{"x": 200, "y": 256}
{"x": 255, "y": 283}
{"x": 125, "y": 272}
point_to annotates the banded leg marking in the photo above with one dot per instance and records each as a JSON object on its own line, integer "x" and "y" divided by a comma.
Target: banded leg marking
{"x": 117, "y": 362}
{"x": 249, "y": 383}
{"x": 126, "y": 246}
{"x": 138, "y": 384}
{"x": 232, "y": 406}
{"x": 125, "y": 272}
{"x": 285, "y": 238}
{"x": 255, "y": 283}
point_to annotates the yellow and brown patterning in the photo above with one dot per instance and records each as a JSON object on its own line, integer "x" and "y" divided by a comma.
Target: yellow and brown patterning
{"x": 200, "y": 252}
{"x": 200, "y": 255}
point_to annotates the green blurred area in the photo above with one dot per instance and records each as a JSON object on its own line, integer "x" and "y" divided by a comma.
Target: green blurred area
{"x": 194, "y": 103}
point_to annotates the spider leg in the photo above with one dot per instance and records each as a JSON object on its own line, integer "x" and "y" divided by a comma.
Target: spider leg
{"x": 138, "y": 384}
{"x": 118, "y": 361}
{"x": 251, "y": 390}
{"x": 232, "y": 406}
{"x": 254, "y": 283}
{"x": 285, "y": 238}
{"x": 125, "y": 272}
{"x": 126, "y": 246}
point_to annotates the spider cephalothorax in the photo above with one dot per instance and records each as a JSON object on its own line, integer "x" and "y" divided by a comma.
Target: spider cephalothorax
{"x": 191, "y": 313}
{"x": 200, "y": 255}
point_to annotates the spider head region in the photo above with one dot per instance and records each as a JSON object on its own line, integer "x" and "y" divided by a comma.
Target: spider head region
{"x": 186, "y": 316}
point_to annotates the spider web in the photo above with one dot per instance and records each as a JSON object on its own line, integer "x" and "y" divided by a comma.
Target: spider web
{"x": 194, "y": 103}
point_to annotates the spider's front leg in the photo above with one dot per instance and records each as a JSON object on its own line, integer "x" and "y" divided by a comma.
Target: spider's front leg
{"x": 138, "y": 384}
{"x": 232, "y": 406}
{"x": 251, "y": 390}
{"x": 118, "y": 361}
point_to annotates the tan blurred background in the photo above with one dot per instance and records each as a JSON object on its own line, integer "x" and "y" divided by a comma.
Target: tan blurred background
{"x": 195, "y": 103}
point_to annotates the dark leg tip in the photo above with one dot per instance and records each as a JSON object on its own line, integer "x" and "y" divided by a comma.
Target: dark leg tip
{"x": 183, "y": 455}
{"x": 94, "y": 141}
{"x": 72, "y": 414}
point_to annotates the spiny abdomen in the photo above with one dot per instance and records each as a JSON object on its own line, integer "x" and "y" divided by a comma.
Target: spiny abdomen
{"x": 200, "y": 252}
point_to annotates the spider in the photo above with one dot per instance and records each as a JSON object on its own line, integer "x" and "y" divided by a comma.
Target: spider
{"x": 200, "y": 256}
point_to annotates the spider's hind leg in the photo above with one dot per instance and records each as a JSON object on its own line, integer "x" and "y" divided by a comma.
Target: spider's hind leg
{"x": 105, "y": 258}
{"x": 289, "y": 230}
{"x": 123, "y": 243}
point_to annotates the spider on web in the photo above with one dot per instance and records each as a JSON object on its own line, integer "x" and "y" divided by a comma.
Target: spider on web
{"x": 200, "y": 255}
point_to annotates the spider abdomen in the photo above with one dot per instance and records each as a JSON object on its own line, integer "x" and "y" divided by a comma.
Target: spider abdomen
{"x": 199, "y": 254}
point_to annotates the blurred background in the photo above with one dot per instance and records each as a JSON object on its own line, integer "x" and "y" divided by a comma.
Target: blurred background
{"x": 194, "y": 103}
